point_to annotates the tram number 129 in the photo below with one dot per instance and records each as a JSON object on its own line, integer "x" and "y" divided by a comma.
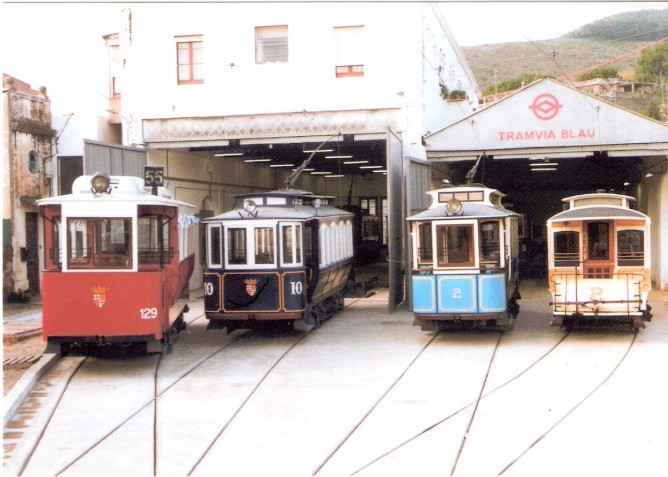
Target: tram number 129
{"x": 148, "y": 313}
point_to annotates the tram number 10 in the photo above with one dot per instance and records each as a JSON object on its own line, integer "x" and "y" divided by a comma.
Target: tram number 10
{"x": 296, "y": 288}
{"x": 208, "y": 289}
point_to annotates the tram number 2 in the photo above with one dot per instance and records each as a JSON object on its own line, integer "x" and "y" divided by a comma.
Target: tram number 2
{"x": 296, "y": 288}
{"x": 148, "y": 313}
{"x": 456, "y": 293}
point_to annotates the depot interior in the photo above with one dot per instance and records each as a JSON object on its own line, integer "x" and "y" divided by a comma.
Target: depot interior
{"x": 355, "y": 172}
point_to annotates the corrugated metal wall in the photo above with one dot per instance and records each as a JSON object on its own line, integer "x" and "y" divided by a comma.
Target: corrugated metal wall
{"x": 418, "y": 182}
{"x": 114, "y": 159}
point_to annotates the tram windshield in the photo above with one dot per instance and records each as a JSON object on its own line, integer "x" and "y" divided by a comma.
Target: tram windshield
{"x": 102, "y": 243}
{"x": 454, "y": 245}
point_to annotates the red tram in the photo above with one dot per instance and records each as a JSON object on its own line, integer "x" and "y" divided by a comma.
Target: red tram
{"x": 117, "y": 264}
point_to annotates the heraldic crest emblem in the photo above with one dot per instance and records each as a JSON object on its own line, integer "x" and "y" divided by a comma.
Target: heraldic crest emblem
{"x": 99, "y": 296}
{"x": 251, "y": 286}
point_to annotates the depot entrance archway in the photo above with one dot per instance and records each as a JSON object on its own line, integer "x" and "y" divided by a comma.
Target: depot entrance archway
{"x": 549, "y": 141}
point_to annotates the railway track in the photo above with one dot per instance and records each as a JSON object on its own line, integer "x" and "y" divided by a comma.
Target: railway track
{"x": 330, "y": 402}
{"x": 168, "y": 377}
{"x": 477, "y": 424}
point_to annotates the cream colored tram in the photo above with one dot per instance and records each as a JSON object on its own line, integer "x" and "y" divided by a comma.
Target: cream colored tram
{"x": 599, "y": 261}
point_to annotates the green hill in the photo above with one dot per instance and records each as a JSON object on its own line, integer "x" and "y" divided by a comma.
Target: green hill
{"x": 588, "y": 46}
{"x": 642, "y": 25}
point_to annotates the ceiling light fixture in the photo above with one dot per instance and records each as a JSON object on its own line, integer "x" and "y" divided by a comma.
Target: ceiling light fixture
{"x": 342, "y": 156}
{"x": 355, "y": 162}
{"x": 308, "y": 151}
{"x": 281, "y": 165}
{"x": 229, "y": 154}
{"x": 257, "y": 160}
{"x": 321, "y": 172}
{"x": 371, "y": 167}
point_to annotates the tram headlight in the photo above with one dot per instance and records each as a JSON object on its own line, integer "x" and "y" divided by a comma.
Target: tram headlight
{"x": 100, "y": 182}
{"x": 453, "y": 206}
{"x": 250, "y": 206}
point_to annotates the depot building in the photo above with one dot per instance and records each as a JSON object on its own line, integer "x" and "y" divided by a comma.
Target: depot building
{"x": 378, "y": 107}
{"x": 549, "y": 141}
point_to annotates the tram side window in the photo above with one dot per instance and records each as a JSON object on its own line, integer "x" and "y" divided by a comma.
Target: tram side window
{"x": 490, "y": 245}
{"x": 454, "y": 245}
{"x": 236, "y": 246}
{"x": 215, "y": 248}
{"x": 630, "y": 248}
{"x": 264, "y": 246}
{"x": 425, "y": 251}
{"x": 99, "y": 243}
{"x": 566, "y": 249}
{"x": 597, "y": 240}
{"x": 153, "y": 239}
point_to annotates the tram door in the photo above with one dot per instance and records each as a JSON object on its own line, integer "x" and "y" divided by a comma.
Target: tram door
{"x": 598, "y": 236}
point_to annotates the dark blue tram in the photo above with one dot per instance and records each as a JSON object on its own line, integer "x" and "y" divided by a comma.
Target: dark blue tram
{"x": 276, "y": 258}
{"x": 465, "y": 259}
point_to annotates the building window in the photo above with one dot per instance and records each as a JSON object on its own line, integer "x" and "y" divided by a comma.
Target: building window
{"x": 33, "y": 162}
{"x": 115, "y": 87}
{"x": 190, "y": 62}
{"x": 349, "y": 51}
{"x": 271, "y": 44}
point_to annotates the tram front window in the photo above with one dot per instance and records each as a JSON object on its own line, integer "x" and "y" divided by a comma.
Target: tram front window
{"x": 236, "y": 246}
{"x": 264, "y": 246}
{"x": 630, "y": 248}
{"x": 566, "y": 249}
{"x": 454, "y": 245}
{"x": 99, "y": 243}
{"x": 425, "y": 252}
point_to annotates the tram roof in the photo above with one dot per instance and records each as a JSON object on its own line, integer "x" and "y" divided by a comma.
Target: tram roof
{"x": 468, "y": 210}
{"x": 304, "y": 194}
{"x": 597, "y": 212}
{"x": 280, "y": 212}
{"x": 121, "y": 189}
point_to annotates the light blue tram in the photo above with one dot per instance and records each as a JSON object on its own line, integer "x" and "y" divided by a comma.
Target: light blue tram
{"x": 465, "y": 253}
